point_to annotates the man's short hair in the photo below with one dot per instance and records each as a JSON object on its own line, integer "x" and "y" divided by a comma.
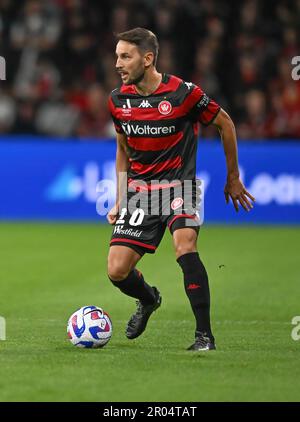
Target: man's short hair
{"x": 144, "y": 39}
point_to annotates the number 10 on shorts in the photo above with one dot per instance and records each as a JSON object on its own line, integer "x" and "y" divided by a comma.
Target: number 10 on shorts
{"x": 136, "y": 218}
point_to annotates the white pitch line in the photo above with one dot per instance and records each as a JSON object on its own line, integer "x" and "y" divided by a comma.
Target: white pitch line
{"x": 181, "y": 321}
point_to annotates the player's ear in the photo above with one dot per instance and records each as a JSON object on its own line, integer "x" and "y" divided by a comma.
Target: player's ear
{"x": 148, "y": 59}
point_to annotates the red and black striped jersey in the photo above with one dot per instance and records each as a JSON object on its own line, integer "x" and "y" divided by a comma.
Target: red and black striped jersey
{"x": 162, "y": 128}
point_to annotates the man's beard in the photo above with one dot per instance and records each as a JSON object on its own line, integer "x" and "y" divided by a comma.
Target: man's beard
{"x": 136, "y": 80}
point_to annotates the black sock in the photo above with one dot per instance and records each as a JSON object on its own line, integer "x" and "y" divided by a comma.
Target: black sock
{"x": 135, "y": 286}
{"x": 197, "y": 290}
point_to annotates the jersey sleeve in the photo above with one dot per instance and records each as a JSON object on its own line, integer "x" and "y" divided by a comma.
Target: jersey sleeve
{"x": 204, "y": 109}
{"x": 116, "y": 121}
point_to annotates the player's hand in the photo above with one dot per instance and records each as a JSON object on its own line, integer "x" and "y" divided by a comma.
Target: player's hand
{"x": 112, "y": 215}
{"x": 236, "y": 190}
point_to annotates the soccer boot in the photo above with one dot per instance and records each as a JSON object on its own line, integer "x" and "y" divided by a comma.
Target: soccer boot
{"x": 138, "y": 322}
{"x": 202, "y": 343}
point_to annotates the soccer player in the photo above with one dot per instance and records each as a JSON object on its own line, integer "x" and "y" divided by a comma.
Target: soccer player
{"x": 156, "y": 117}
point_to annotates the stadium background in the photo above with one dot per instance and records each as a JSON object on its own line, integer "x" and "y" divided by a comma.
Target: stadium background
{"x": 57, "y": 142}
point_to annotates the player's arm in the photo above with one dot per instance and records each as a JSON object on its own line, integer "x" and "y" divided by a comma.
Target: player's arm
{"x": 234, "y": 188}
{"x": 122, "y": 165}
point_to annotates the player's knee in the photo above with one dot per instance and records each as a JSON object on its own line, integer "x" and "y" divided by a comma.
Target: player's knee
{"x": 184, "y": 247}
{"x": 185, "y": 242}
{"x": 117, "y": 271}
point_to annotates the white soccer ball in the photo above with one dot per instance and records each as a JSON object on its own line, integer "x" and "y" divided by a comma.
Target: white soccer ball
{"x": 89, "y": 327}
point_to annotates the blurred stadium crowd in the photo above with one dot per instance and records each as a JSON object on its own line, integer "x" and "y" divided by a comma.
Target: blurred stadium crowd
{"x": 60, "y": 61}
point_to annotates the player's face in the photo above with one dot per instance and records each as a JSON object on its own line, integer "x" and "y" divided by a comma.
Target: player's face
{"x": 130, "y": 63}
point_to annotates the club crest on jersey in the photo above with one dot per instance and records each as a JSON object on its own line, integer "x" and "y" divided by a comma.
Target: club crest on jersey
{"x": 164, "y": 107}
{"x": 176, "y": 203}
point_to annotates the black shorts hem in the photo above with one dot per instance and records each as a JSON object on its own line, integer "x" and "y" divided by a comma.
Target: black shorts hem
{"x": 139, "y": 249}
{"x": 180, "y": 223}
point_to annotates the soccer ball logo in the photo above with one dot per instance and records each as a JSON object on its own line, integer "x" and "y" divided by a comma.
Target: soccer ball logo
{"x": 89, "y": 327}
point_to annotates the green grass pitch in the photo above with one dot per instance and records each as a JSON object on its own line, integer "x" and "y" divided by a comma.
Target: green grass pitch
{"x": 47, "y": 271}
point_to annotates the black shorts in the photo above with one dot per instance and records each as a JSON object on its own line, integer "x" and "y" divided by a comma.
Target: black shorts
{"x": 142, "y": 222}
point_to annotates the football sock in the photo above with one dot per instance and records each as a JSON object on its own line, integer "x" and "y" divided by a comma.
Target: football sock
{"x": 197, "y": 290}
{"x": 135, "y": 286}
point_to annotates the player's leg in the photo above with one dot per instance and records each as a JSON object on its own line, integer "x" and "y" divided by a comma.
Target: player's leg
{"x": 195, "y": 281}
{"x": 123, "y": 274}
